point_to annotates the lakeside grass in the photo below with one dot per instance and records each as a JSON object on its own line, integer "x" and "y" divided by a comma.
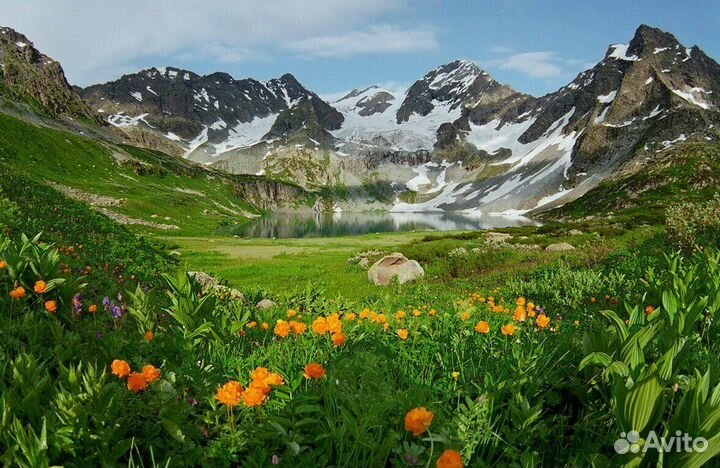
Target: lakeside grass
{"x": 277, "y": 265}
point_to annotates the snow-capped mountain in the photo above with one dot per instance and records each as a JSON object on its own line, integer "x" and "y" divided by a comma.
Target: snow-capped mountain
{"x": 456, "y": 139}
{"x": 409, "y": 120}
{"x": 213, "y": 113}
{"x": 642, "y": 97}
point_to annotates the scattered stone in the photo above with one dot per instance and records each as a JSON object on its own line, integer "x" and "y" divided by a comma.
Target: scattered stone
{"x": 497, "y": 237}
{"x": 575, "y": 232}
{"x": 559, "y": 247}
{"x": 265, "y": 304}
{"x": 394, "y": 265}
{"x": 208, "y": 283}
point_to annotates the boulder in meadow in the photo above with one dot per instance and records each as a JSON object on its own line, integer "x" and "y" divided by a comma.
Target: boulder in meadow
{"x": 394, "y": 265}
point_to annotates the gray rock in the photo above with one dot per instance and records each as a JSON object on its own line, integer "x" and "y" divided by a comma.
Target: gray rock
{"x": 394, "y": 265}
{"x": 575, "y": 232}
{"x": 559, "y": 247}
{"x": 265, "y": 304}
{"x": 206, "y": 281}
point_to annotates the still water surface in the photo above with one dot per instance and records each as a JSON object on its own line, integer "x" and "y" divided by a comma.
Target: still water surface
{"x": 298, "y": 225}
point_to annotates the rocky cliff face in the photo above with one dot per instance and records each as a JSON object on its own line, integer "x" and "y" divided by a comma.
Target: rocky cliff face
{"x": 34, "y": 78}
{"x": 267, "y": 194}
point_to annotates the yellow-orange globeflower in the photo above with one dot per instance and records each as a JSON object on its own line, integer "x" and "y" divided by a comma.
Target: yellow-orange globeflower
{"x": 51, "y": 306}
{"x": 120, "y": 368}
{"x": 149, "y": 335}
{"x": 137, "y": 382}
{"x": 17, "y": 293}
{"x": 253, "y": 396}
{"x": 508, "y": 329}
{"x": 542, "y": 321}
{"x": 282, "y": 328}
{"x": 482, "y": 327}
{"x": 298, "y": 327}
{"x": 151, "y": 373}
{"x": 450, "y": 459}
{"x": 520, "y": 315}
{"x": 40, "y": 286}
{"x": 319, "y": 326}
{"x": 339, "y": 339}
{"x": 229, "y": 394}
{"x": 314, "y": 371}
{"x": 350, "y": 317}
{"x": 418, "y": 420}
{"x": 403, "y": 334}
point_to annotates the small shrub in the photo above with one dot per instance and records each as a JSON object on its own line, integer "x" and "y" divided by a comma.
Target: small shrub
{"x": 691, "y": 224}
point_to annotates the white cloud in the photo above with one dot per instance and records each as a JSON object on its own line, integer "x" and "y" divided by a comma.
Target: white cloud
{"x": 542, "y": 64}
{"x": 385, "y": 39}
{"x": 97, "y": 40}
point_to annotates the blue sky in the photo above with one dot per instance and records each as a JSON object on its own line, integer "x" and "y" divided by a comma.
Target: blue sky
{"x": 335, "y": 45}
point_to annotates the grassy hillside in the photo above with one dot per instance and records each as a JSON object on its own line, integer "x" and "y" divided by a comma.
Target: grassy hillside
{"x": 688, "y": 172}
{"x": 144, "y": 185}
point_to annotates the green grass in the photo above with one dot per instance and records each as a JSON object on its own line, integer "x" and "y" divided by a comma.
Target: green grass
{"x": 162, "y": 189}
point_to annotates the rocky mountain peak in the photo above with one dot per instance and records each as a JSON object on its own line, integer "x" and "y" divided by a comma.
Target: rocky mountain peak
{"x": 30, "y": 76}
{"x": 451, "y": 86}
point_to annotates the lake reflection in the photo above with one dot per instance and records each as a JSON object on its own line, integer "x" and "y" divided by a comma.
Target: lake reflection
{"x": 294, "y": 225}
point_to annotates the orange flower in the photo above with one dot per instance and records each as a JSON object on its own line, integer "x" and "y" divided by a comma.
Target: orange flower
{"x": 482, "y": 327}
{"x": 399, "y": 315}
{"x": 649, "y": 310}
{"x": 92, "y": 309}
{"x": 432, "y": 312}
{"x": 450, "y": 459}
{"x": 274, "y": 379}
{"x": 282, "y": 328}
{"x": 252, "y": 324}
{"x": 40, "y": 286}
{"x": 151, "y": 373}
{"x": 291, "y": 313}
{"x": 253, "y": 396}
{"x": 229, "y": 394}
{"x": 3, "y": 264}
{"x": 333, "y": 323}
{"x": 319, "y": 326}
{"x": 265, "y": 326}
{"x": 465, "y": 316}
{"x": 120, "y": 368}
{"x": 542, "y": 321}
{"x": 298, "y": 327}
{"x": 17, "y": 293}
{"x": 137, "y": 382}
{"x": 51, "y": 306}
{"x": 261, "y": 386}
{"x": 416, "y": 313}
{"x": 403, "y": 334}
{"x": 314, "y": 371}
{"x": 349, "y": 317}
{"x": 521, "y": 301}
{"x": 508, "y": 329}
{"x": 520, "y": 314}
{"x": 149, "y": 335}
{"x": 418, "y": 420}
{"x": 338, "y": 339}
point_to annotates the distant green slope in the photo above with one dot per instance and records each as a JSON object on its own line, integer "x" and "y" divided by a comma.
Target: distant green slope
{"x": 687, "y": 172}
{"x": 146, "y": 185}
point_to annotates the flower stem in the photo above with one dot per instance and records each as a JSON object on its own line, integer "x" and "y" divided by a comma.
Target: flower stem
{"x": 432, "y": 448}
